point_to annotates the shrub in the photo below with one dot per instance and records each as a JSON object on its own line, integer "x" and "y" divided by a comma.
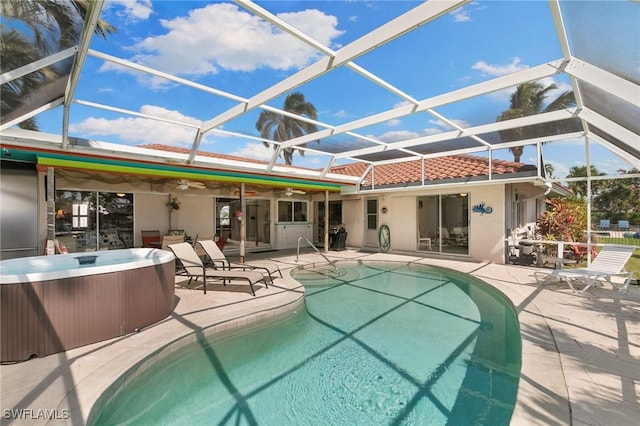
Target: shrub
{"x": 565, "y": 219}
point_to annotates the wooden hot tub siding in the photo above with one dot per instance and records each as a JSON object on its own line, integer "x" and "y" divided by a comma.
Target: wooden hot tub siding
{"x": 45, "y": 317}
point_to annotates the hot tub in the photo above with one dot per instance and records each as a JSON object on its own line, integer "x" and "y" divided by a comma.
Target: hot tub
{"x": 53, "y": 303}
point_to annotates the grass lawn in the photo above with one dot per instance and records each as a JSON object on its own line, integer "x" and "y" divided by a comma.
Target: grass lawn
{"x": 634, "y": 262}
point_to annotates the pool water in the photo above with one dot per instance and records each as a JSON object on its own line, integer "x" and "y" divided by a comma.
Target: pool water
{"x": 379, "y": 344}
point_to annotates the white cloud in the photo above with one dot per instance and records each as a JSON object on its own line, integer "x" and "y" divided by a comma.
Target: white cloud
{"x": 256, "y": 151}
{"x": 397, "y": 135}
{"x": 439, "y": 126}
{"x": 138, "y": 131}
{"x": 134, "y": 10}
{"x": 393, "y": 122}
{"x": 553, "y": 94}
{"x": 503, "y": 96}
{"x": 497, "y": 70}
{"x": 463, "y": 14}
{"x": 401, "y": 104}
{"x": 222, "y": 36}
{"x": 612, "y": 165}
{"x": 560, "y": 170}
{"x": 341, "y": 114}
{"x": 436, "y": 127}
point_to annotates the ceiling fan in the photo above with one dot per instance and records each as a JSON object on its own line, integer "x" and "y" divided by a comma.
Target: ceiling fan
{"x": 290, "y": 191}
{"x": 183, "y": 184}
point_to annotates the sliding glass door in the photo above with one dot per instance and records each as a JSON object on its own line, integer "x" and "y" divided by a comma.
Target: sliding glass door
{"x": 335, "y": 218}
{"x": 257, "y": 221}
{"x": 443, "y": 223}
{"x": 89, "y": 221}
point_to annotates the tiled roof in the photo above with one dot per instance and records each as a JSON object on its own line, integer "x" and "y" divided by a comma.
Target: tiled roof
{"x": 451, "y": 167}
{"x": 179, "y": 150}
{"x": 441, "y": 168}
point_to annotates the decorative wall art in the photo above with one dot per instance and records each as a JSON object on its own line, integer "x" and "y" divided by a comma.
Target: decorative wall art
{"x": 482, "y": 209}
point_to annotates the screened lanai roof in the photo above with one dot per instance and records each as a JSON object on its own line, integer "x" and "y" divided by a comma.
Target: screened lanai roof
{"x": 391, "y": 82}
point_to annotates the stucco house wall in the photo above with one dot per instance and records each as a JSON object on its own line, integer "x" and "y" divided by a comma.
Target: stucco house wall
{"x": 150, "y": 212}
{"x": 353, "y": 211}
{"x": 486, "y": 231}
{"x": 196, "y": 214}
{"x": 401, "y": 217}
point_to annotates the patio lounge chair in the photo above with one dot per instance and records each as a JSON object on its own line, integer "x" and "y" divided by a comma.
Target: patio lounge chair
{"x": 167, "y": 240}
{"x": 194, "y": 268}
{"x": 199, "y": 237}
{"x": 609, "y": 262}
{"x": 215, "y": 259}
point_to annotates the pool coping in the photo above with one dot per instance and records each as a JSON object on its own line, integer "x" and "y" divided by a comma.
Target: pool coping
{"x": 219, "y": 328}
{"x": 577, "y": 363}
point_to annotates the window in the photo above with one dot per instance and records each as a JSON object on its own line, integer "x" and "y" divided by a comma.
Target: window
{"x": 372, "y": 214}
{"x": 292, "y": 211}
{"x": 94, "y": 220}
{"x": 225, "y": 211}
{"x": 224, "y": 216}
{"x": 80, "y": 215}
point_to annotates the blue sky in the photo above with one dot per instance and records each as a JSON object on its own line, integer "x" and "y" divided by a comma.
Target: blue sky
{"x": 222, "y": 46}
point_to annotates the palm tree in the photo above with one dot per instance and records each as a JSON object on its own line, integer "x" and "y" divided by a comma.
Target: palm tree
{"x": 52, "y": 25}
{"x": 528, "y": 99}
{"x": 579, "y": 188}
{"x": 16, "y": 51}
{"x": 548, "y": 169}
{"x": 280, "y": 128}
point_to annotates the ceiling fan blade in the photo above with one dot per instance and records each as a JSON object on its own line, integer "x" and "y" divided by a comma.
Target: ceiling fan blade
{"x": 290, "y": 191}
{"x": 183, "y": 184}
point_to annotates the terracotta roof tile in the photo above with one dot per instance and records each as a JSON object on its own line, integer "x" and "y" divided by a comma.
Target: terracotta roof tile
{"x": 451, "y": 167}
{"x": 179, "y": 150}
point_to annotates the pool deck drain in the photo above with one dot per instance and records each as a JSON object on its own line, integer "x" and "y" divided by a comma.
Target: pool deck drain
{"x": 580, "y": 360}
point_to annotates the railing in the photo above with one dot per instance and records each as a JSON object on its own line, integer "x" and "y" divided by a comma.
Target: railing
{"x": 335, "y": 268}
{"x": 551, "y": 250}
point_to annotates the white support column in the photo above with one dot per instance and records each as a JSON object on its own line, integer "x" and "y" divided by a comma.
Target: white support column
{"x": 243, "y": 222}
{"x": 588, "y": 158}
{"x": 51, "y": 205}
{"x": 326, "y": 222}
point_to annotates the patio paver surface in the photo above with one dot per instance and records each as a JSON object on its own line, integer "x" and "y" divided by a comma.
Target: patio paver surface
{"x": 580, "y": 352}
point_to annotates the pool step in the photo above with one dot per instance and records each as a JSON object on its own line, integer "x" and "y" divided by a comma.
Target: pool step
{"x": 325, "y": 275}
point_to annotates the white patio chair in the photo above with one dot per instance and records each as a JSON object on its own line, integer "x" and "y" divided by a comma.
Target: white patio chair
{"x": 424, "y": 241}
{"x": 607, "y": 264}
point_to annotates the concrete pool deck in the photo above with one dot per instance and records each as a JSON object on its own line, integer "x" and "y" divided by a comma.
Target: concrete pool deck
{"x": 580, "y": 352}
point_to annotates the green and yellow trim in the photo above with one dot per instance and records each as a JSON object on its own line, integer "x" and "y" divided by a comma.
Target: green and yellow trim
{"x": 111, "y": 165}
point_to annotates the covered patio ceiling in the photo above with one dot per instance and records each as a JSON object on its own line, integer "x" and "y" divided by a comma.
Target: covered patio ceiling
{"x": 590, "y": 48}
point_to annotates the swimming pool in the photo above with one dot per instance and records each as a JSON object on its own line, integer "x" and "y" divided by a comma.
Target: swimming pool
{"x": 382, "y": 343}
